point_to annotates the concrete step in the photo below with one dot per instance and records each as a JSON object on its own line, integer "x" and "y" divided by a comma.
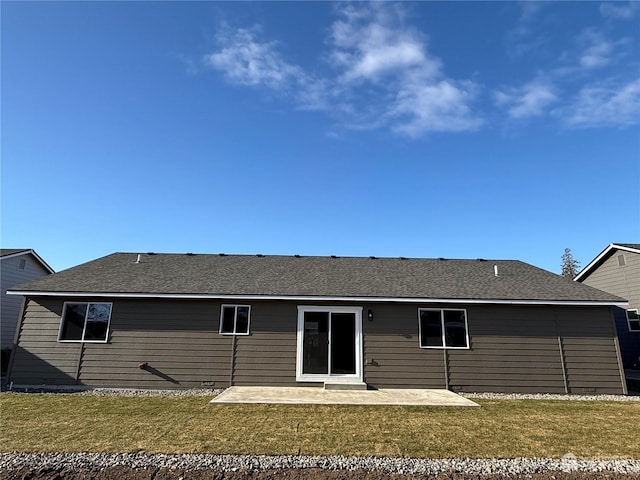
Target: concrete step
{"x": 345, "y": 386}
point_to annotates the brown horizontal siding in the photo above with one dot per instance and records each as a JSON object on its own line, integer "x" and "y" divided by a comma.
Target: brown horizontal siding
{"x": 39, "y": 358}
{"x": 268, "y": 355}
{"x": 512, "y": 348}
{"x": 178, "y": 341}
{"x": 590, "y": 355}
{"x": 392, "y": 355}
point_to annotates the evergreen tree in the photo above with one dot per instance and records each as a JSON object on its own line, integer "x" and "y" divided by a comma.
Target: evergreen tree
{"x": 569, "y": 265}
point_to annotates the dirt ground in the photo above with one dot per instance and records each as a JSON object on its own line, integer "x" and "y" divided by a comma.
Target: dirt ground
{"x": 124, "y": 473}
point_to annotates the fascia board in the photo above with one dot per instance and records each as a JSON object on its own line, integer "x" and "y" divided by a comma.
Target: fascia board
{"x": 312, "y": 298}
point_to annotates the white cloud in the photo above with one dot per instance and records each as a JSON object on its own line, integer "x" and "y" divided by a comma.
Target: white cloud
{"x": 441, "y": 106}
{"x": 411, "y": 95}
{"x": 596, "y": 55}
{"x": 597, "y": 50}
{"x": 377, "y": 73}
{"x": 608, "y": 105}
{"x": 618, "y": 11}
{"x": 530, "y": 100}
{"x": 246, "y": 61}
{"x": 369, "y": 43}
{"x": 380, "y": 74}
{"x": 525, "y": 38}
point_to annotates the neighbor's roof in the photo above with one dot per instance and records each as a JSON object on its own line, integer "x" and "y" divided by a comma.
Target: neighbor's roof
{"x": 14, "y": 252}
{"x": 603, "y": 255}
{"x": 314, "y": 278}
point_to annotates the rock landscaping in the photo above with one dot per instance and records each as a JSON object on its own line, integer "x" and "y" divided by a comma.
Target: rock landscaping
{"x": 260, "y": 467}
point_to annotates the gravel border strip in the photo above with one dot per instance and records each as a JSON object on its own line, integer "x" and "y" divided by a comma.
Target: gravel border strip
{"x": 511, "y": 466}
{"x": 212, "y": 392}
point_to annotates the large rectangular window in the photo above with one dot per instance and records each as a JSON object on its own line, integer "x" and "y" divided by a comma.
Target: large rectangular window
{"x": 443, "y": 328}
{"x": 85, "y": 322}
{"x": 234, "y": 320}
{"x": 633, "y": 319}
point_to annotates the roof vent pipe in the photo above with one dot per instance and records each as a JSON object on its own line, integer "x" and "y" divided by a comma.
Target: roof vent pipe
{"x": 138, "y": 259}
{"x": 495, "y": 270}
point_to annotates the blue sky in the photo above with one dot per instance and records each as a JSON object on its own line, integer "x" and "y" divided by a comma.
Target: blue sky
{"x": 433, "y": 129}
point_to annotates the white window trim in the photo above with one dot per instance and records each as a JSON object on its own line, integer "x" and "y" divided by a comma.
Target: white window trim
{"x": 442, "y": 310}
{"x": 317, "y": 377}
{"x": 84, "y": 327}
{"x": 235, "y": 319}
{"x": 629, "y": 320}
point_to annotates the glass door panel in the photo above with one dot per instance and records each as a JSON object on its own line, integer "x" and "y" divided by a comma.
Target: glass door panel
{"x": 316, "y": 343}
{"x": 343, "y": 343}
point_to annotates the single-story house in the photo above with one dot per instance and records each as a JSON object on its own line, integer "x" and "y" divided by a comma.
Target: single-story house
{"x": 185, "y": 320}
{"x": 617, "y": 270}
{"x": 17, "y": 266}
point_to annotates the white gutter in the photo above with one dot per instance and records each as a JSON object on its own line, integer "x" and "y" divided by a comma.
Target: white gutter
{"x": 316, "y": 298}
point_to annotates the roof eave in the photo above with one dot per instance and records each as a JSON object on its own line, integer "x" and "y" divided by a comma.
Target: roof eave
{"x": 586, "y": 271}
{"x": 313, "y": 298}
{"x": 36, "y": 256}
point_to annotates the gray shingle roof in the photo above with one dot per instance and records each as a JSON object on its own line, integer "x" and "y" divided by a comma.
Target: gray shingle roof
{"x": 298, "y": 276}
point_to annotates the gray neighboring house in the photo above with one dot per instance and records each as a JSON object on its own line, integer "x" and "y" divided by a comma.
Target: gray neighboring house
{"x": 184, "y": 320}
{"x": 617, "y": 270}
{"x": 17, "y": 265}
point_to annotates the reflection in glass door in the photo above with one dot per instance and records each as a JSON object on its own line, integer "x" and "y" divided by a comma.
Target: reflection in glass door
{"x": 316, "y": 342}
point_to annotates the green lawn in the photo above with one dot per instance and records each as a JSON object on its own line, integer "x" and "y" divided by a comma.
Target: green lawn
{"x": 501, "y": 428}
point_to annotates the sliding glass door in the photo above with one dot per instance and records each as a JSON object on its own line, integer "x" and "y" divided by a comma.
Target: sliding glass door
{"x": 329, "y": 343}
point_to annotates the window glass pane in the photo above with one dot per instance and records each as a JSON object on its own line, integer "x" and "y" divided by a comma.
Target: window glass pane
{"x": 455, "y": 333}
{"x": 228, "y": 314}
{"x": 430, "y": 328}
{"x": 242, "y": 320}
{"x": 634, "y": 325}
{"x": 73, "y": 321}
{"x": 633, "y": 315}
{"x": 97, "y": 321}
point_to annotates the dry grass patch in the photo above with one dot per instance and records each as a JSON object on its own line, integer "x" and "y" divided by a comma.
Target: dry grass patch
{"x": 502, "y": 428}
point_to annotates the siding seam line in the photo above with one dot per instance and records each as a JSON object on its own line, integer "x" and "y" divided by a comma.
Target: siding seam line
{"x": 16, "y": 337}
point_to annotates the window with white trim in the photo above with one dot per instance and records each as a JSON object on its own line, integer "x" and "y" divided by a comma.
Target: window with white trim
{"x": 633, "y": 319}
{"x": 234, "y": 319}
{"x": 443, "y": 328}
{"x": 85, "y": 322}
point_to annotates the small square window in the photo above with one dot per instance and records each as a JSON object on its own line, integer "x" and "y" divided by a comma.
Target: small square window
{"x": 234, "y": 320}
{"x": 443, "y": 328}
{"x": 633, "y": 319}
{"x": 85, "y": 322}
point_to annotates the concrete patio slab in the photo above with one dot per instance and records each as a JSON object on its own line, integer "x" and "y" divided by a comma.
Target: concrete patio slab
{"x": 320, "y": 396}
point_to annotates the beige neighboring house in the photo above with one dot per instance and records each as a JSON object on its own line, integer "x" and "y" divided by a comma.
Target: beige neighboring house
{"x": 616, "y": 270}
{"x": 18, "y": 265}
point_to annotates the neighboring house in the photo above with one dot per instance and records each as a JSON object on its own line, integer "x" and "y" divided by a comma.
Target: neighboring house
{"x": 17, "y": 266}
{"x": 617, "y": 270}
{"x": 185, "y": 320}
